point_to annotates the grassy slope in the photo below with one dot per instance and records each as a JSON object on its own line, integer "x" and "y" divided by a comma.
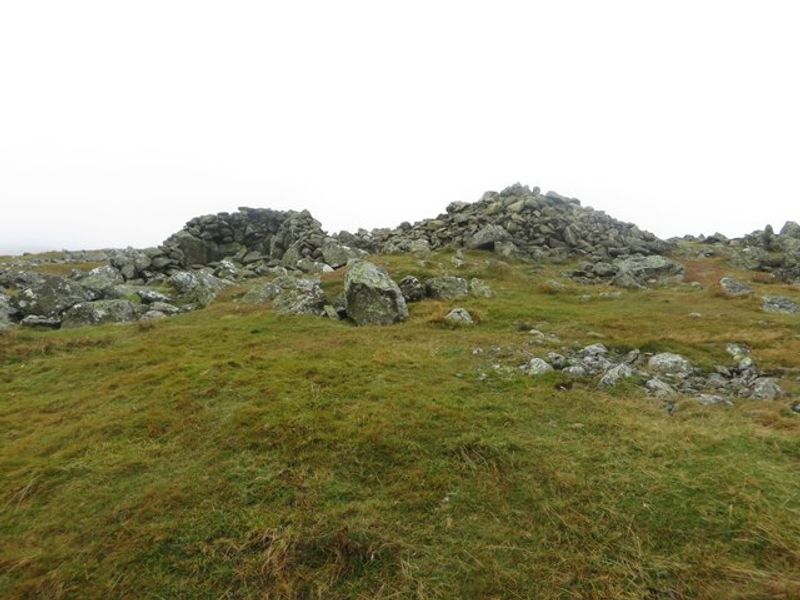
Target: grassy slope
{"x": 233, "y": 452}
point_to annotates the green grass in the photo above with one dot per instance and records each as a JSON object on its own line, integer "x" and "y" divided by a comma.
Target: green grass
{"x": 236, "y": 453}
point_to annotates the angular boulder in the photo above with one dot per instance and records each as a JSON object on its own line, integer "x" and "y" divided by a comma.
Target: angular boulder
{"x": 487, "y": 237}
{"x": 638, "y": 271}
{"x": 299, "y": 296}
{"x": 197, "y": 287}
{"x": 459, "y": 317}
{"x": 101, "y": 280}
{"x": 49, "y": 297}
{"x": 99, "y": 313}
{"x": 447, "y": 287}
{"x": 412, "y": 288}
{"x": 372, "y": 297}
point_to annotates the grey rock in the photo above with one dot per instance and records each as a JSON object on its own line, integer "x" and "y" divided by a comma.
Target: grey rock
{"x": 487, "y": 237}
{"x": 734, "y": 288}
{"x": 575, "y": 371}
{"x": 780, "y": 304}
{"x": 537, "y": 366}
{"x": 593, "y": 350}
{"x": 616, "y": 374}
{"x": 102, "y": 280}
{"x": 765, "y": 388}
{"x": 447, "y": 287}
{"x": 713, "y": 400}
{"x": 261, "y": 294}
{"x": 480, "y": 289}
{"x": 299, "y": 296}
{"x": 412, "y": 288}
{"x": 39, "y": 322}
{"x": 338, "y": 255}
{"x": 226, "y": 269}
{"x": 648, "y": 268}
{"x": 460, "y": 317}
{"x": 667, "y": 363}
{"x": 198, "y": 287}
{"x": 372, "y": 297}
{"x": 98, "y": 313}
{"x": 660, "y": 389}
{"x": 49, "y": 297}
{"x": 149, "y": 295}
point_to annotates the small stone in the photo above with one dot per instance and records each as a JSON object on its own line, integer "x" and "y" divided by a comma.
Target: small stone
{"x": 734, "y": 288}
{"x": 460, "y": 317}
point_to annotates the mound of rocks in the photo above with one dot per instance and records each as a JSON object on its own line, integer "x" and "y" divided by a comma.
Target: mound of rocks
{"x": 664, "y": 375}
{"x": 519, "y": 221}
{"x": 635, "y": 272}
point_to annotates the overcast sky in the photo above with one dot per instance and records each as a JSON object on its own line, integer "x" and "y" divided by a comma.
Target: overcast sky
{"x": 119, "y": 121}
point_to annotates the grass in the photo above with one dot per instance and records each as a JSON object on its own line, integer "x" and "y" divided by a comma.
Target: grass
{"x": 236, "y": 453}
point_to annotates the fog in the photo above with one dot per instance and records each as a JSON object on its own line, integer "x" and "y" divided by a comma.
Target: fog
{"x": 121, "y": 121}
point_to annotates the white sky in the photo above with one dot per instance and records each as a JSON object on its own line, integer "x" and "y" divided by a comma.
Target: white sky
{"x": 119, "y": 121}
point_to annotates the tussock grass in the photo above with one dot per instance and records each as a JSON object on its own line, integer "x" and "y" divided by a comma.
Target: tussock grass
{"x": 236, "y": 453}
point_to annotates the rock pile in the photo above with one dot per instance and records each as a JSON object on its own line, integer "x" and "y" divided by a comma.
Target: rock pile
{"x": 518, "y": 221}
{"x": 763, "y": 250}
{"x": 253, "y": 239}
{"x": 664, "y": 375}
{"x": 632, "y": 273}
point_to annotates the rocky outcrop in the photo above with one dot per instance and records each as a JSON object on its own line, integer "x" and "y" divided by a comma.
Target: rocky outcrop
{"x": 99, "y": 313}
{"x": 49, "y": 296}
{"x": 372, "y": 297}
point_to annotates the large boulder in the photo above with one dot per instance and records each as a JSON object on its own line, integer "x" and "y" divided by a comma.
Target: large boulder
{"x": 640, "y": 270}
{"x": 487, "y": 237}
{"x": 49, "y": 297}
{"x": 299, "y": 296}
{"x": 102, "y": 280}
{"x": 372, "y": 297}
{"x": 197, "y": 287}
{"x": 447, "y": 287}
{"x": 338, "y": 255}
{"x": 5, "y": 312}
{"x": 99, "y": 313}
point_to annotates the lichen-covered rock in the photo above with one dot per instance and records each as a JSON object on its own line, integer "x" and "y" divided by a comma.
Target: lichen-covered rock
{"x": 447, "y": 287}
{"x": 537, "y": 366}
{"x": 299, "y": 296}
{"x": 616, "y": 374}
{"x": 459, "y": 317}
{"x": 667, "y": 363}
{"x": 99, "y": 313}
{"x": 197, "y": 287}
{"x": 765, "y": 388}
{"x": 643, "y": 270}
{"x": 412, "y": 288}
{"x": 487, "y": 237}
{"x": 734, "y": 288}
{"x": 102, "y": 280}
{"x": 372, "y": 297}
{"x": 49, "y": 297}
{"x": 39, "y": 322}
{"x": 338, "y": 255}
{"x": 780, "y": 304}
{"x": 480, "y": 289}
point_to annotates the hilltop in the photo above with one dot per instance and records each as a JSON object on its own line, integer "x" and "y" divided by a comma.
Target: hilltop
{"x": 519, "y": 398}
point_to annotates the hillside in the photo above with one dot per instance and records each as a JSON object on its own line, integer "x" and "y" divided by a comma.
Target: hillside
{"x": 237, "y": 452}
